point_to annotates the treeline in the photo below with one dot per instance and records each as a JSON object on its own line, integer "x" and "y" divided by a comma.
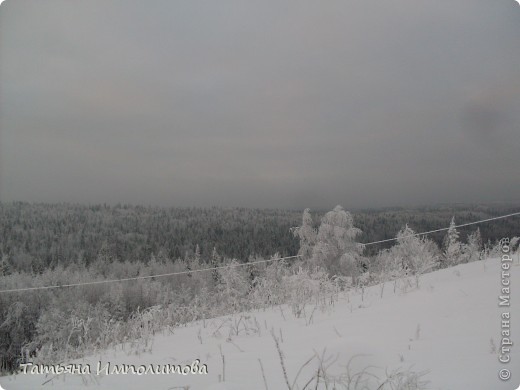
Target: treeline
{"x": 34, "y": 237}
{"x": 381, "y": 224}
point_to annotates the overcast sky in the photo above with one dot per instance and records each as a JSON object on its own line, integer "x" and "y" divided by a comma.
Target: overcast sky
{"x": 260, "y": 103}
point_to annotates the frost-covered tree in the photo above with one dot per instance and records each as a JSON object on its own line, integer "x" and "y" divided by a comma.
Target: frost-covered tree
{"x": 197, "y": 253}
{"x": 103, "y": 260}
{"x": 269, "y": 288}
{"x": 411, "y": 256}
{"x": 105, "y": 254}
{"x": 5, "y": 269}
{"x": 306, "y": 234}
{"x": 388, "y": 266}
{"x": 234, "y": 287}
{"x": 336, "y": 249}
{"x": 471, "y": 251}
{"x": 452, "y": 246}
{"x": 515, "y": 247}
{"x": 413, "y": 252}
{"x": 192, "y": 262}
{"x": 215, "y": 263}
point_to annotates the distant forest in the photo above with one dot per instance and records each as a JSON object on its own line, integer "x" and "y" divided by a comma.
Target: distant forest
{"x": 34, "y": 237}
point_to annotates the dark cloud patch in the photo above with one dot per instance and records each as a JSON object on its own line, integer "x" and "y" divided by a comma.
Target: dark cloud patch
{"x": 490, "y": 118}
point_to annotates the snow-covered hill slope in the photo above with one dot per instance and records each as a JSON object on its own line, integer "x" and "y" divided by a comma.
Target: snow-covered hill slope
{"x": 445, "y": 327}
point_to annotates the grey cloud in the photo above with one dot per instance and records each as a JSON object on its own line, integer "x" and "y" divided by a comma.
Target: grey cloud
{"x": 268, "y": 104}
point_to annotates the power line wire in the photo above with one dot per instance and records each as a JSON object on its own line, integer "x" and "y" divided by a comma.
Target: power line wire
{"x": 145, "y": 277}
{"x": 237, "y": 264}
{"x": 442, "y": 229}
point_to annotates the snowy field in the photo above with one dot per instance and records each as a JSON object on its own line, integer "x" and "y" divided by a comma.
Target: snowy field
{"x": 449, "y": 328}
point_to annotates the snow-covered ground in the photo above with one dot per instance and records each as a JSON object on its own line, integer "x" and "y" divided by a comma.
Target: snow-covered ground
{"x": 445, "y": 327}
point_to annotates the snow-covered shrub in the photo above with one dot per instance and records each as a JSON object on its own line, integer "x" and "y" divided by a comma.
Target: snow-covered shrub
{"x": 143, "y": 324}
{"x": 514, "y": 244}
{"x": 388, "y": 266}
{"x": 493, "y": 250}
{"x": 17, "y": 327}
{"x": 268, "y": 288}
{"x": 412, "y": 255}
{"x": 63, "y": 333}
{"x": 308, "y": 286}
